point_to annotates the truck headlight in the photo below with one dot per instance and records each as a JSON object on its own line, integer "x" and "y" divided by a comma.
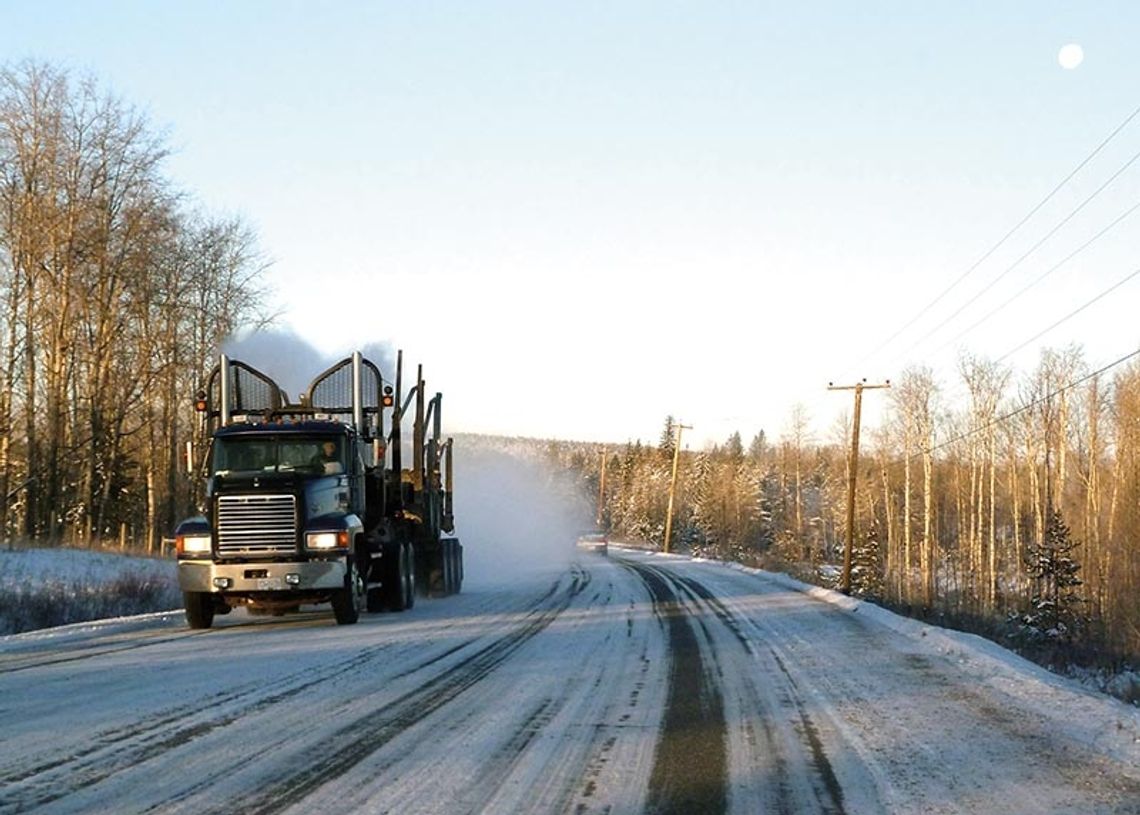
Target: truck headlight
{"x": 325, "y": 541}
{"x": 188, "y": 545}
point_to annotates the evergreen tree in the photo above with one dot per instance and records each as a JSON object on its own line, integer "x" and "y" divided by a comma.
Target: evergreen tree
{"x": 704, "y": 533}
{"x": 749, "y": 532}
{"x": 1055, "y": 606}
{"x": 734, "y": 448}
{"x": 866, "y": 566}
{"x": 765, "y": 521}
{"x": 758, "y": 447}
{"x": 668, "y": 438}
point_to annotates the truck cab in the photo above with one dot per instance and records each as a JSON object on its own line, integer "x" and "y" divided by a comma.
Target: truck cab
{"x": 283, "y": 522}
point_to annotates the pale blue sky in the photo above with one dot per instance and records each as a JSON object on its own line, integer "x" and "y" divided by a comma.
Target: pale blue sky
{"x": 708, "y": 209}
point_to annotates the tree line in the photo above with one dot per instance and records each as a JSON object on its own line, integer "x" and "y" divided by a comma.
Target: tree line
{"x": 1015, "y": 510}
{"x": 118, "y": 291}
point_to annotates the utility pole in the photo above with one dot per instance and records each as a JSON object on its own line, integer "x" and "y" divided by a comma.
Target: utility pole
{"x": 598, "y": 520}
{"x": 853, "y": 469}
{"x": 673, "y": 485}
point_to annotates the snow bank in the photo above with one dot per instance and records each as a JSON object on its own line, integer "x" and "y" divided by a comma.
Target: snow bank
{"x": 24, "y": 566}
{"x": 62, "y": 634}
{"x": 49, "y": 588}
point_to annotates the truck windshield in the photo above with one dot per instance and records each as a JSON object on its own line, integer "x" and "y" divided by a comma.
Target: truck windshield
{"x": 241, "y": 454}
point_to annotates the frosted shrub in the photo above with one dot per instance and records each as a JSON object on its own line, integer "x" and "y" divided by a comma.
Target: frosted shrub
{"x": 29, "y": 606}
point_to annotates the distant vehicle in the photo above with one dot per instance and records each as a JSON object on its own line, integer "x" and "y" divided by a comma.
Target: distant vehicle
{"x": 594, "y": 542}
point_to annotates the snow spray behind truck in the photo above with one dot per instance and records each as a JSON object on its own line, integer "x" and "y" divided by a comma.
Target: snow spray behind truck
{"x": 310, "y": 503}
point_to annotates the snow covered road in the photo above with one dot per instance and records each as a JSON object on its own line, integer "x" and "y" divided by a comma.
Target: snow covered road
{"x": 623, "y": 685}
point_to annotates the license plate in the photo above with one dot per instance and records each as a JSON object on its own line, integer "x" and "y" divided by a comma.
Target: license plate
{"x": 270, "y": 583}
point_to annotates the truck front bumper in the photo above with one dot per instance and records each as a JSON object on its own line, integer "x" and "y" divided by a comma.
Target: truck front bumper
{"x": 243, "y": 578}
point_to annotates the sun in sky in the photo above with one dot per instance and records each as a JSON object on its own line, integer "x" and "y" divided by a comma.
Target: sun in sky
{"x": 1070, "y": 56}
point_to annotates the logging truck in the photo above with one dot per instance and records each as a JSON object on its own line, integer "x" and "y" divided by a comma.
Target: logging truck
{"x": 309, "y": 502}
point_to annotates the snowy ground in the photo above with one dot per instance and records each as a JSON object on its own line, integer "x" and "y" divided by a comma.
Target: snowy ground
{"x": 21, "y": 566}
{"x": 636, "y": 683}
{"x": 49, "y": 587}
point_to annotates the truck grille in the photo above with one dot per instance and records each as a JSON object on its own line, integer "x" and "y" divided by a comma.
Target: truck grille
{"x": 257, "y": 525}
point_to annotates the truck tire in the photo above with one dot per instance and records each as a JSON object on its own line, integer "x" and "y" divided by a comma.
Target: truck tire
{"x": 346, "y": 602}
{"x": 445, "y": 564}
{"x": 410, "y": 575}
{"x": 199, "y": 607}
{"x": 400, "y": 592}
{"x": 451, "y": 557}
{"x": 450, "y": 568}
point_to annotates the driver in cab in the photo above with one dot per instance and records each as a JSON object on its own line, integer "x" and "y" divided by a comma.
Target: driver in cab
{"x": 326, "y": 460}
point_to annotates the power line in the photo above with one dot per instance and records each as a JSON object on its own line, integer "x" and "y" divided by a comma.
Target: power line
{"x": 1047, "y": 272}
{"x": 1005, "y": 237}
{"x": 1070, "y": 315}
{"x": 1031, "y": 250}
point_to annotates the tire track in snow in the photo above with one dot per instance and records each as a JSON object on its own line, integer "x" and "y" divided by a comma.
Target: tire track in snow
{"x": 118, "y": 749}
{"x": 14, "y": 663}
{"x": 603, "y": 750}
{"x": 829, "y": 793}
{"x": 291, "y": 780}
{"x": 690, "y": 769}
{"x": 908, "y": 727}
{"x": 592, "y": 749}
{"x": 497, "y": 768}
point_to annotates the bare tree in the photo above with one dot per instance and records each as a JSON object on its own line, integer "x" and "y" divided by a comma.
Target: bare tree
{"x": 986, "y": 382}
{"x": 913, "y": 399}
{"x": 797, "y": 436}
{"x": 117, "y": 301}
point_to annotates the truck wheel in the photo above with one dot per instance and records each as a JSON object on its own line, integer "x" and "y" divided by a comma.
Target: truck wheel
{"x": 199, "y": 607}
{"x": 399, "y": 589}
{"x": 451, "y": 557}
{"x": 346, "y": 601}
{"x": 450, "y": 572}
{"x": 410, "y": 574}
